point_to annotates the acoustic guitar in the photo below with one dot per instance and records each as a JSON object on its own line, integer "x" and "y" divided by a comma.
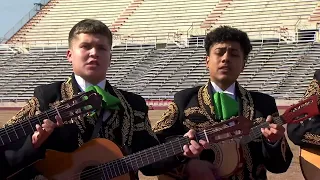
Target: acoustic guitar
{"x": 102, "y": 159}
{"x": 82, "y": 104}
{"x": 227, "y": 158}
{"x": 310, "y": 163}
{"x": 294, "y": 114}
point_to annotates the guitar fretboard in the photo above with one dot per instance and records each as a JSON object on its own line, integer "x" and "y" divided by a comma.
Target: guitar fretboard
{"x": 23, "y": 127}
{"x": 145, "y": 157}
{"x": 255, "y": 132}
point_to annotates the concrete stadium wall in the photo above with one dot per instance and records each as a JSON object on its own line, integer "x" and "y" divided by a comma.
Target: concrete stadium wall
{"x": 153, "y": 104}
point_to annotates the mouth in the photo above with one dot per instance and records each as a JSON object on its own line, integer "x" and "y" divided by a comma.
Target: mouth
{"x": 225, "y": 68}
{"x": 93, "y": 63}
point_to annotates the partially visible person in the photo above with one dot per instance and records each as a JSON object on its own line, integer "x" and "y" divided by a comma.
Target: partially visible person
{"x": 20, "y": 154}
{"x": 307, "y": 133}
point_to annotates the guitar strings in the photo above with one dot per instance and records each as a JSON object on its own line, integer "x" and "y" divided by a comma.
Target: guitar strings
{"x": 93, "y": 172}
{"x": 5, "y": 131}
{"x": 51, "y": 112}
{"x": 90, "y": 173}
{"x": 113, "y": 166}
{"x": 43, "y": 115}
{"x": 255, "y": 130}
{"x": 129, "y": 159}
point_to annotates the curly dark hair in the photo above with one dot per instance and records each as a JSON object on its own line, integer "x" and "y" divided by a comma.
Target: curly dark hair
{"x": 227, "y": 33}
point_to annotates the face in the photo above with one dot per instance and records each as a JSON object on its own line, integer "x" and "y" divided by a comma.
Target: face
{"x": 225, "y": 62}
{"x": 90, "y": 56}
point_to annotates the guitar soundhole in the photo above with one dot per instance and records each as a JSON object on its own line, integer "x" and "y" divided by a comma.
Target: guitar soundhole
{"x": 92, "y": 173}
{"x": 208, "y": 155}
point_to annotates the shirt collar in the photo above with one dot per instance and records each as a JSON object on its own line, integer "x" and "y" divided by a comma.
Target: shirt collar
{"x": 84, "y": 84}
{"x": 230, "y": 90}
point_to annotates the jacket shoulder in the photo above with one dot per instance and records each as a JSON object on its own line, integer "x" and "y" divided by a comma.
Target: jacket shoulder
{"x": 48, "y": 93}
{"x": 53, "y": 87}
{"x": 136, "y": 101}
{"x": 262, "y": 97}
{"x": 188, "y": 92}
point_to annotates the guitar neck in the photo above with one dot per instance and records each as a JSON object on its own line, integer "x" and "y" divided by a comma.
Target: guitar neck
{"x": 255, "y": 132}
{"x": 12, "y": 132}
{"x": 145, "y": 157}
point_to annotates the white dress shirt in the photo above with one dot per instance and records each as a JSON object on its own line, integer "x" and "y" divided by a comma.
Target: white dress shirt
{"x": 230, "y": 91}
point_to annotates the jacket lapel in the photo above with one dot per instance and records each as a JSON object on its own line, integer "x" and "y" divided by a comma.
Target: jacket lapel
{"x": 113, "y": 112}
{"x": 75, "y": 86}
{"x": 239, "y": 100}
{"x": 205, "y": 100}
{"x": 209, "y": 107}
{"x": 246, "y": 107}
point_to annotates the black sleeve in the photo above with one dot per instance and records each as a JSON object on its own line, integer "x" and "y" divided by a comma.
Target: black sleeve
{"x": 145, "y": 138}
{"x": 169, "y": 124}
{"x": 305, "y": 134}
{"x": 21, "y": 153}
{"x": 277, "y": 156}
{"x": 18, "y": 155}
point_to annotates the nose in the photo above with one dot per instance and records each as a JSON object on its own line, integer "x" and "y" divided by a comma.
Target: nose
{"x": 93, "y": 52}
{"x": 226, "y": 57}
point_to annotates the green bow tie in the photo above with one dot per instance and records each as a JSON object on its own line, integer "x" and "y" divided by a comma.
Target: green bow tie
{"x": 108, "y": 101}
{"x": 225, "y": 106}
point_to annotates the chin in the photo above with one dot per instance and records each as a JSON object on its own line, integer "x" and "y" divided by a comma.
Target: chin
{"x": 226, "y": 79}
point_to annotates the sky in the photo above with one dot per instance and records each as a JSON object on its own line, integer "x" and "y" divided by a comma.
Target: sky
{"x": 12, "y": 11}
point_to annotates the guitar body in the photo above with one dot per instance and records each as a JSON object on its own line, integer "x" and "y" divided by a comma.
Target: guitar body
{"x": 61, "y": 166}
{"x": 227, "y": 160}
{"x": 310, "y": 163}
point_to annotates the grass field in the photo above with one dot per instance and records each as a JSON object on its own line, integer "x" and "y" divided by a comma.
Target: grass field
{"x": 293, "y": 173}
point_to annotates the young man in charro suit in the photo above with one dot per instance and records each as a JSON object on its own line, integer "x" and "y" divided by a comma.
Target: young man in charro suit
{"x": 307, "y": 133}
{"x": 227, "y": 51}
{"x": 126, "y": 123}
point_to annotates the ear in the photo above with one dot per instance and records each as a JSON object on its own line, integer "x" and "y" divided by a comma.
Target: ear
{"x": 69, "y": 55}
{"x": 207, "y": 61}
{"x": 244, "y": 64}
{"x": 110, "y": 60}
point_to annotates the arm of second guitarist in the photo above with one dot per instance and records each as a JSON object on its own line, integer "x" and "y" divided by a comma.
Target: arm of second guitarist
{"x": 305, "y": 134}
{"x": 22, "y": 153}
{"x": 14, "y": 159}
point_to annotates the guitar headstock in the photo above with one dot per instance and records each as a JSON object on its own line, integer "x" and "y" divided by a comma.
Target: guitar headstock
{"x": 239, "y": 126}
{"x": 81, "y": 104}
{"x": 301, "y": 111}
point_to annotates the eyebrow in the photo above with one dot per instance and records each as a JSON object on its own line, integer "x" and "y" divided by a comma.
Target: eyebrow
{"x": 232, "y": 49}
{"x": 97, "y": 44}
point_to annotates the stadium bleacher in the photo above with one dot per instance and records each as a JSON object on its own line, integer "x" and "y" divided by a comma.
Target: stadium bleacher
{"x": 159, "y": 49}
{"x": 279, "y": 69}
